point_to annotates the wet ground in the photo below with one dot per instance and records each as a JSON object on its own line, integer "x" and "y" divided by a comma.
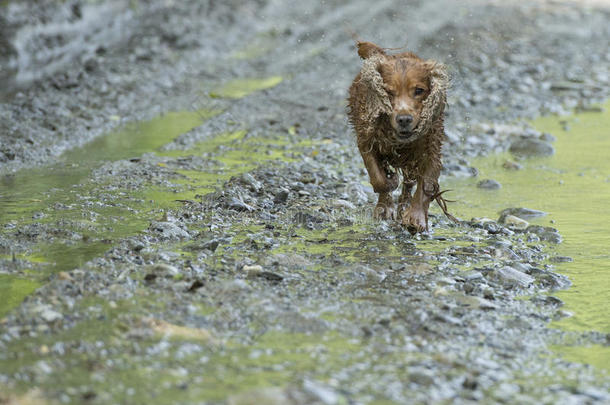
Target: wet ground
{"x": 213, "y": 242}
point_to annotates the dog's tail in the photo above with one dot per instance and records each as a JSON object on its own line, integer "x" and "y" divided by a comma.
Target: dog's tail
{"x": 442, "y": 203}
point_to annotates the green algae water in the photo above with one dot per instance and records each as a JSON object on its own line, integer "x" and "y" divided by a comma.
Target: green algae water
{"x": 28, "y": 192}
{"x": 573, "y": 187}
{"x": 59, "y": 195}
{"x": 13, "y": 290}
{"x": 240, "y": 88}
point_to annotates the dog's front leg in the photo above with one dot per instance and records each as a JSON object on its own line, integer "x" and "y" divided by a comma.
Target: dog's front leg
{"x": 383, "y": 182}
{"x": 404, "y": 201}
{"x": 415, "y": 218}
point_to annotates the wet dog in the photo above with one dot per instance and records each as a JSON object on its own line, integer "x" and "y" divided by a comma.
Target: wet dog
{"x": 396, "y": 105}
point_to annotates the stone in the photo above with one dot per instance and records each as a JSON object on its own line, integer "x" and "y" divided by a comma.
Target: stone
{"x": 162, "y": 270}
{"x": 515, "y": 222}
{"x": 473, "y": 275}
{"x": 510, "y": 165}
{"x": 321, "y": 392}
{"x": 251, "y": 182}
{"x": 338, "y": 203}
{"x": 239, "y": 205}
{"x": 421, "y": 377}
{"x": 546, "y": 233}
{"x": 511, "y": 277}
{"x": 281, "y": 197}
{"x": 168, "y": 230}
{"x": 523, "y": 213}
{"x": 47, "y": 313}
{"x": 489, "y": 184}
{"x": 254, "y": 268}
{"x": 527, "y": 147}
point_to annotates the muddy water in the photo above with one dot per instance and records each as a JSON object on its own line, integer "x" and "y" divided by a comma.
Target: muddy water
{"x": 573, "y": 187}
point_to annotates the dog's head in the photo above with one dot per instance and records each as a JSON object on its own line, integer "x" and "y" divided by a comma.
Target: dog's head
{"x": 411, "y": 90}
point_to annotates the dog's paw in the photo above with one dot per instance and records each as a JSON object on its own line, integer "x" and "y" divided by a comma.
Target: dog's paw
{"x": 414, "y": 220}
{"x": 384, "y": 211}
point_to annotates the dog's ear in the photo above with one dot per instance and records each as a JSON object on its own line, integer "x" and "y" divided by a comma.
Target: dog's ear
{"x": 434, "y": 104}
{"x": 368, "y": 49}
{"x": 437, "y": 72}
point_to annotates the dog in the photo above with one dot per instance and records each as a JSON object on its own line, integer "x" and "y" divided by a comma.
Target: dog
{"x": 396, "y": 105}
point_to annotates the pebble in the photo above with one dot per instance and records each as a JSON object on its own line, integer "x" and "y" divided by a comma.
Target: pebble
{"x": 238, "y": 205}
{"x": 566, "y": 86}
{"x": 512, "y": 277}
{"x": 489, "y": 184}
{"x": 515, "y": 222}
{"x": 551, "y": 280}
{"x": 523, "y": 213}
{"x": 527, "y": 147}
{"x": 510, "y": 165}
{"x": 546, "y": 233}
{"x": 42, "y": 367}
{"x": 47, "y": 313}
{"x": 281, "y": 197}
{"x": 168, "y": 230}
{"x": 562, "y": 313}
{"x": 421, "y": 377}
{"x": 250, "y": 181}
{"x": 449, "y": 319}
{"x": 321, "y": 393}
{"x": 163, "y": 270}
{"x": 344, "y": 204}
{"x": 253, "y": 270}
{"x": 473, "y": 275}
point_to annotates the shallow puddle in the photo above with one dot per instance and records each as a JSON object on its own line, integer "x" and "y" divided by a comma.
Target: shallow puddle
{"x": 58, "y": 194}
{"x": 573, "y": 187}
{"x": 71, "y": 219}
{"x": 26, "y": 191}
{"x": 239, "y": 88}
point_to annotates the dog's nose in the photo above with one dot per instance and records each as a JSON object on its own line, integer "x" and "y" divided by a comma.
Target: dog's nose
{"x": 404, "y": 120}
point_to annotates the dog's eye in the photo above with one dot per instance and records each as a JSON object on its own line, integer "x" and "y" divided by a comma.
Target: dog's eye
{"x": 419, "y": 91}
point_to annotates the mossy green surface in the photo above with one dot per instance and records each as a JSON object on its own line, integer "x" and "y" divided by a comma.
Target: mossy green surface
{"x": 140, "y": 137}
{"x": 240, "y": 88}
{"x": 57, "y": 196}
{"x": 572, "y": 186}
{"x": 13, "y": 290}
{"x": 275, "y": 358}
{"x": 27, "y": 191}
{"x": 61, "y": 194}
{"x": 596, "y": 355}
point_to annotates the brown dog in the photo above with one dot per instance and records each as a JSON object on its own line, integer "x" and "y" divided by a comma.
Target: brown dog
{"x": 396, "y": 105}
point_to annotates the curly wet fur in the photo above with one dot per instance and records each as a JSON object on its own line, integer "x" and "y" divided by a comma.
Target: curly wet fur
{"x": 374, "y": 102}
{"x": 370, "y": 109}
{"x": 418, "y": 158}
